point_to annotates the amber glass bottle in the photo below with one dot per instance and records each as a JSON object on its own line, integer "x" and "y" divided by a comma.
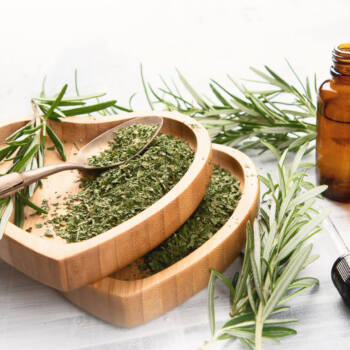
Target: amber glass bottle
{"x": 333, "y": 128}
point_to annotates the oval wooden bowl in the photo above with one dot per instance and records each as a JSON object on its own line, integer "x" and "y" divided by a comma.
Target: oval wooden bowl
{"x": 132, "y": 302}
{"x": 69, "y": 266}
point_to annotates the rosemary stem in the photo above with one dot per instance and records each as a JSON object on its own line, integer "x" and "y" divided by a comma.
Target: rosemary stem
{"x": 259, "y": 328}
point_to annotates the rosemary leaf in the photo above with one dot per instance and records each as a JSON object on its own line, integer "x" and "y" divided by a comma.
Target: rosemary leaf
{"x": 57, "y": 142}
{"x": 56, "y": 102}
{"x": 89, "y": 109}
{"x": 6, "y": 210}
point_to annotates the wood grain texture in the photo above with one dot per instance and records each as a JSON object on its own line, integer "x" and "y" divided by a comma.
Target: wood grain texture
{"x": 68, "y": 266}
{"x": 130, "y": 303}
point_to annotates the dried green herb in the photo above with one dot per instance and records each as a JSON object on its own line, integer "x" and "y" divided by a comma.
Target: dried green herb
{"x": 217, "y": 206}
{"x": 48, "y": 233}
{"x": 127, "y": 142}
{"x": 118, "y": 194}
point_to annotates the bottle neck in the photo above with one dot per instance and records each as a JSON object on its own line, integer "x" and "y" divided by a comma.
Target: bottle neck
{"x": 341, "y": 61}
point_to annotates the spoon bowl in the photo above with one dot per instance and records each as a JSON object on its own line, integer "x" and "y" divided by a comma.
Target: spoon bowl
{"x": 13, "y": 182}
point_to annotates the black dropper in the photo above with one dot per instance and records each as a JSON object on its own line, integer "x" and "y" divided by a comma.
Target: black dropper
{"x": 341, "y": 269}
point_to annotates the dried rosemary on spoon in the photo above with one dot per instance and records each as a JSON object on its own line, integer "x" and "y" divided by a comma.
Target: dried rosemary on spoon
{"x": 126, "y": 143}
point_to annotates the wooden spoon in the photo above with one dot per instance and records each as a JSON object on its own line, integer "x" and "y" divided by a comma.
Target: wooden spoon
{"x": 13, "y": 182}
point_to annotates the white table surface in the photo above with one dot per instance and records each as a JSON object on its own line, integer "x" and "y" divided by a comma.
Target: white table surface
{"x": 106, "y": 41}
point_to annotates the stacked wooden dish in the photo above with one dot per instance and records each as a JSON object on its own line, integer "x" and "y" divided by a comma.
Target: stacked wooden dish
{"x": 87, "y": 272}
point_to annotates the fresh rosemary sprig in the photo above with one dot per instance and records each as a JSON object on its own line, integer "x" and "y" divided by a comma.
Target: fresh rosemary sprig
{"x": 276, "y": 251}
{"x": 25, "y": 147}
{"x": 280, "y": 114}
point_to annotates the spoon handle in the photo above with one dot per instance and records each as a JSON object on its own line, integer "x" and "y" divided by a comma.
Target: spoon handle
{"x": 13, "y": 182}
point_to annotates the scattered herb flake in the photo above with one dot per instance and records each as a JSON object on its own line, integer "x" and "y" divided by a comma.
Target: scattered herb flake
{"x": 48, "y": 233}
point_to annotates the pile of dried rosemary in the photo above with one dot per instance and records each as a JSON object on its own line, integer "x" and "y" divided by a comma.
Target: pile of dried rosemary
{"x": 118, "y": 194}
{"x": 217, "y": 206}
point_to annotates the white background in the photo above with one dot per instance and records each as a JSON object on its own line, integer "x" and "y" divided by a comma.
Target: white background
{"x": 106, "y": 41}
